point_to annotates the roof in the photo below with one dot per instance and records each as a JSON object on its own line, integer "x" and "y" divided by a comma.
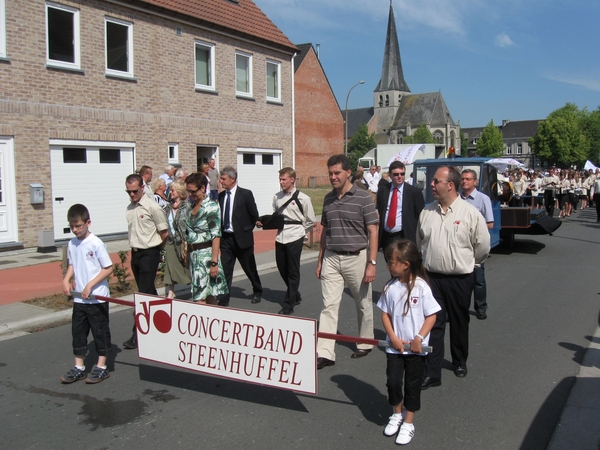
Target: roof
{"x": 520, "y": 129}
{"x": 392, "y": 76}
{"x": 303, "y": 50}
{"x": 358, "y": 117}
{"x": 238, "y": 17}
{"x": 419, "y": 109}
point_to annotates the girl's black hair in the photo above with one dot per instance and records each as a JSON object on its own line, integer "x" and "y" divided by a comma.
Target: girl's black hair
{"x": 406, "y": 251}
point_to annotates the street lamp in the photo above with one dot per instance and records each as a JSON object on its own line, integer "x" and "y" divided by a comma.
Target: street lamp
{"x": 346, "y": 132}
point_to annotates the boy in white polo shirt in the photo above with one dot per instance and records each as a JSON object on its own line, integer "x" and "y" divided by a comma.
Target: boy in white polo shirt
{"x": 90, "y": 266}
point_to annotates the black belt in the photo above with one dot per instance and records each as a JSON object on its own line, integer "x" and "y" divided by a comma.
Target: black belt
{"x": 135, "y": 249}
{"x": 397, "y": 233}
{"x": 292, "y": 222}
{"x": 357, "y": 252}
{"x": 201, "y": 246}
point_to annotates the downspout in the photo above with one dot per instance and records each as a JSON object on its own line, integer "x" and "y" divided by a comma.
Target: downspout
{"x": 293, "y": 115}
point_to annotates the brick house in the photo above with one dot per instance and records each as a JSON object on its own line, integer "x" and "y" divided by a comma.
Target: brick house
{"x": 318, "y": 119}
{"x": 93, "y": 89}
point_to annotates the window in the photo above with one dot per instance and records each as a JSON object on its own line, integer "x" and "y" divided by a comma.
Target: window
{"x": 520, "y": 149}
{"x": 438, "y": 137}
{"x": 110, "y": 156}
{"x": 249, "y": 158}
{"x": 508, "y": 150}
{"x": 74, "y": 155}
{"x": 205, "y": 66}
{"x": 267, "y": 159}
{"x": 273, "y": 81}
{"x": 173, "y": 156}
{"x": 243, "y": 74}
{"x": 62, "y": 36}
{"x": 2, "y": 28}
{"x": 119, "y": 48}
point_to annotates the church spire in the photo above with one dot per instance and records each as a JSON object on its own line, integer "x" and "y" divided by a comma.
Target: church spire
{"x": 392, "y": 77}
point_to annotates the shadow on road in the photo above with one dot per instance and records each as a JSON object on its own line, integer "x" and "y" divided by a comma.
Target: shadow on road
{"x": 371, "y": 403}
{"x": 222, "y": 387}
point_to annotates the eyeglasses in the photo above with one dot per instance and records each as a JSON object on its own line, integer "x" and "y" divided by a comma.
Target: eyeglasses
{"x": 132, "y": 191}
{"x": 436, "y": 181}
{"x": 191, "y": 192}
{"x": 467, "y": 179}
{"x": 398, "y": 174}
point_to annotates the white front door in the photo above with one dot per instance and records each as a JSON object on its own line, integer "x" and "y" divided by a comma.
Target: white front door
{"x": 8, "y": 199}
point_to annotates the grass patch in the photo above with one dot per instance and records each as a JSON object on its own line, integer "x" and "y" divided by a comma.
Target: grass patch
{"x": 317, "y": 195}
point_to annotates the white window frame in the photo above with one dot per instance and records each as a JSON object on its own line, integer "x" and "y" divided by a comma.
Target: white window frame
{"x": 119, "y": 73}
{"x": 249, "y": 57}
{"x": 278, "y": 81}
{"x": 519, "y": 149}
{"x": 76, "y": 64}
{"x": 2, "y": 28}
{"x": 509, "y": 149}
{"x": 175, "y": 158}
{"x": 211, "y": 49}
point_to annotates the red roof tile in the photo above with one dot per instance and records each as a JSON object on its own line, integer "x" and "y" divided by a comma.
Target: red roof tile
{"x": 240, "y": 17}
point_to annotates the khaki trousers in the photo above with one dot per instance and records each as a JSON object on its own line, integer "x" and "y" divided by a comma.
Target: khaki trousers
{"x": 336, "y": 271}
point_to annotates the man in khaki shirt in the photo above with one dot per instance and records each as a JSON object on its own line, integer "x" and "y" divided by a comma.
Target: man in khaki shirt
{"x": 148, "y": 229}
{"x": 453, "y": 238}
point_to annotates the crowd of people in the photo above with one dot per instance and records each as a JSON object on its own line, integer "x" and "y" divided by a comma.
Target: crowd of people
{"x": 435, "y": 257}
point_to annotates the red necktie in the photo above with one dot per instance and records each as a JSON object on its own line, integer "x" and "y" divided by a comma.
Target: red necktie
{"x": 391, "y": 219}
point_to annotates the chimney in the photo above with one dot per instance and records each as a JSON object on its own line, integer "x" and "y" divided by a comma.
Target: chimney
{"x": 318, "y": 50}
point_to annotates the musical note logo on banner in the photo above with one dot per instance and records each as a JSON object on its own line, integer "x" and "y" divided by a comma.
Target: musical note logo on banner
{"x": 157, "y": 312}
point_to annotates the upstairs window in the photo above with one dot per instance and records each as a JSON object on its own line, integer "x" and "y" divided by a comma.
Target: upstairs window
{"x": 173, "y": 153}
{"x": 273, "y": 81}
{"x": 520, "y": 149}
{"x": 62, "y": 36}
{"x": 243, "y": 74}
{"x": 119, "y": 47}
{"x": 205, "y": 66}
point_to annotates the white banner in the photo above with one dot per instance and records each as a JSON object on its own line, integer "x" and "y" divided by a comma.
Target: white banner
{"x": 267, "y": 349}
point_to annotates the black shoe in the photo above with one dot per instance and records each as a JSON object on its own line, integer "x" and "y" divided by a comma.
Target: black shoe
{"x": 286, "y": 312}
{"x": 430, "y": 382}
{"x": 481, "y": 315}
{"x": 257, "y": 298}
{"x": 131, "y": 344}
{"x": 298, "y": 300}
{"x": 359, "y": 353}
{"x": 460, "y": 371}
{"x": 324, "y": 362}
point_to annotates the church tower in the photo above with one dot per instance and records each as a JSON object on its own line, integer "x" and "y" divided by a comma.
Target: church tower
{"x": 392, "y": 86}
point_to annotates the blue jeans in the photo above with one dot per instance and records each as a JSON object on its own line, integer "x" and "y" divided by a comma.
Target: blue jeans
{"x": 479, "y": 290}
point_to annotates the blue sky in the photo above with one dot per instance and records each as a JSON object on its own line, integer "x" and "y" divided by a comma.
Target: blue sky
{"x": 501, "y": 59}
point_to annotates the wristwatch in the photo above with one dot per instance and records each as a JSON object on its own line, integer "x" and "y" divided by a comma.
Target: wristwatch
{"x": 374, "y": 262}
{"x": 214, "y": 264}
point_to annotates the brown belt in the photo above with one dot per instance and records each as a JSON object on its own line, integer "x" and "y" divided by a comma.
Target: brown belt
{"x": 201, "y": 246}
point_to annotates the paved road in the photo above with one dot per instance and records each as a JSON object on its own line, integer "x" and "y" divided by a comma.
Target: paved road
{"x": 543, "y": 298}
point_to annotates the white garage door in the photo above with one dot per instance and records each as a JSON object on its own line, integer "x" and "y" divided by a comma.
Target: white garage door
{"x": 93, "y": 175}
{"x": 258, "y": 170}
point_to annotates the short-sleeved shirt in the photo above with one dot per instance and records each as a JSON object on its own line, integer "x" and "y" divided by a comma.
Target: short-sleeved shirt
{"x": 453, "y": 242}
{"x": 346, "y": 220}
{"x": 422, "y": 304}
{"x": 145, "y": 220}
{"x": 88, "y": 257}
{"x": 482, "y": 202}
{"x": 213, "y": 178}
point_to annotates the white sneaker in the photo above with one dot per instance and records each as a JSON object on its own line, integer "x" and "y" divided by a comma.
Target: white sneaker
{"x": 407, "y": 431}
{"x": 393, "y": 425}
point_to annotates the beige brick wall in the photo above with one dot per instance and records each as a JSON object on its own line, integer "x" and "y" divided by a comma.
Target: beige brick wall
{"x": 160, "y": 106}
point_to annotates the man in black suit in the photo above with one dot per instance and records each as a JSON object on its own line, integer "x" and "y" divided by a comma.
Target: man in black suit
{"x": 238, "y": 217}
{"x": 399, "y": 205}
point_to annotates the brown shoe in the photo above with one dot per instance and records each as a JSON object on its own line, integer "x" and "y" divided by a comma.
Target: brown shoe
{"x": 359, "y": 353}
{"x": 324, "y": 362}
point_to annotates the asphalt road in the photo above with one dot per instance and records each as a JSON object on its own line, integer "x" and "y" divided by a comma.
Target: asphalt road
{"x": 543, "y": 308}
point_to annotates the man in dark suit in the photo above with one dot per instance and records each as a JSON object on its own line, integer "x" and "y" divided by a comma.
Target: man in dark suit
{"x": 238, "y": 217}
{"x": 399, "y": 205}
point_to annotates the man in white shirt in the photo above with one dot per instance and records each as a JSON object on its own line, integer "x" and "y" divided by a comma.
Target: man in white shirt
{"x": 372, "y": 178}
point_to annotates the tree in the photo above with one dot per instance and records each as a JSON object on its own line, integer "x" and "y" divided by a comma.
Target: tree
{"x": 360, "y": 144}
{"x": 490, "y": 143}
{"x": 590, "y": 126}
{"x": 464, "y": 144}
{"x": 421, "y": 136}
{"x": 560, "y": 139}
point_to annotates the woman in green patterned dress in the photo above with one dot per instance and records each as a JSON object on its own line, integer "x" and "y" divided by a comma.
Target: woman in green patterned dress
{"x": 204, "y": 238}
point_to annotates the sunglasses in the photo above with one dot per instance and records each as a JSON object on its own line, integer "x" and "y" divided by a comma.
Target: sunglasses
{"x": 132, "y": 191}
{"x": 398, "y": 174}
{"x": 436, "y": 181}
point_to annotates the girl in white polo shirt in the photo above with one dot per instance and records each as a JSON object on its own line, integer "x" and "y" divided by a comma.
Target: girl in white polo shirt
{"x": 408, "y": 314}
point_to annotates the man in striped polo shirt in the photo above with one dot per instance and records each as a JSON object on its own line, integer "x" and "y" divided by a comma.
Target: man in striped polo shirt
{"x": 348, "y": 255}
